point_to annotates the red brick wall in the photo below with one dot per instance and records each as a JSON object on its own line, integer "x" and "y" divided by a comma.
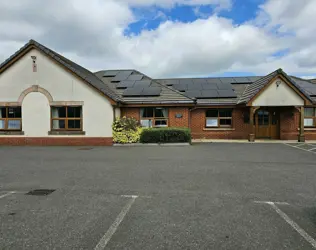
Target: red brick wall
{"x": 173, "y": 121}
{"x": 182, "y": 122}
{"x": 131, "y": 112}
{"x": 56, "y": 141}
{"x": 289, "y": 123}
{"x": 240, "y": 130}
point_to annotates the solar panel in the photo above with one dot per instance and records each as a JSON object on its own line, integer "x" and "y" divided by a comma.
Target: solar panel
{"x": 214, "y": 80}
{"x": 152, "y": 91}
{"x": 181, "y": 87}
{"x": 224, "y": 86}
{"x": 110, "y": 73}
{"x": 197, "y": 86}
{"x": 133, "y": 92}
{"x": 125, "y": 84}
{"x": 199, "y": 81}
{"x": 242, "y": 80}
{"x": 186, "y": 81}
{"x": 194, "y": 93}
{"x": 144, "y": 83}
{"x": 121, "y": 76}
{"x": 226, "y": 93}
{"x": 135, "y": 77}
{"x": 227, "y": 80}
{"x": 171, "y": 82}
{"x": 209, "y": 86}
{"x": 209, "y": 93}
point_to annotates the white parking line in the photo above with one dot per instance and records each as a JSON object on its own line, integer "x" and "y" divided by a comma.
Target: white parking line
{"x": 108, "y": 235}
{"x": 298, "y": 147}
{"x": 7, "y": 194}
{"x": 293, "y": 224}
{"x": 311, "y": 149}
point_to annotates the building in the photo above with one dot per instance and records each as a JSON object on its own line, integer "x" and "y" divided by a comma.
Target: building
{"x": 46, "y": 99}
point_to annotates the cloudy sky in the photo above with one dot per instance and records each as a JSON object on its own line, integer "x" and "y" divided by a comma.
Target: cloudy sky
{"x": 168, "y": 38}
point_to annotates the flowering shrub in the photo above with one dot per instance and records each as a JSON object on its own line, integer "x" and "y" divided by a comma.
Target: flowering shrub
{"x": 126, "y": 130}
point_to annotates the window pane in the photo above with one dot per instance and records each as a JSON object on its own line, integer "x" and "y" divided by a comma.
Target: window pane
{"x": 308, "y": 122}
{"x": 59, "y": 124}
{"x": 74, "y": 124}
{"x": 147, "y": 112}
{"x": 161, "y": 112}
{"x": 211, "y": 122}
{"x": 212, "y": 113}
{"x": 246, "y": 117}
{"x": 14, "y": 124}
{"x": 146, "y": 123}
{"x": 59, "y": 112}
{"x": 309, "y": 112}
{"x": 14, "y": 112}
{"x": 225, "y": 113}
{"x": 225, "y": 122}
{"x": 3, "y": 112}
{"x": 2, "y": 124}
{"x": 161, "y": 123}
{"x": 74, "y": 112}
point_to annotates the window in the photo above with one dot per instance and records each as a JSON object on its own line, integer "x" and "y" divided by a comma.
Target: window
{"x": 66, "y": 118}
{"x": 154, "y": 117}
{"x": 218, "y": 118}
{"x": 10, "y": 118}
{"x": 310, "y": 117}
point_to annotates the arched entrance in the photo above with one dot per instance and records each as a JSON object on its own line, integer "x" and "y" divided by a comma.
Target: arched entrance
{"x": 267, "y": 123}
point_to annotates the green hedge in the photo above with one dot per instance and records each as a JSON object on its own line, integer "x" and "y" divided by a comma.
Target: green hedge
{"x": 165, "y": 135}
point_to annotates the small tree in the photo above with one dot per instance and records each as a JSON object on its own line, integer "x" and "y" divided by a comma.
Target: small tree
{"x": 126, "y": 130}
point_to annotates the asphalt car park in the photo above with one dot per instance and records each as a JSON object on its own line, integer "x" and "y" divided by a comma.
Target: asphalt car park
{"x": 205, "y": 196}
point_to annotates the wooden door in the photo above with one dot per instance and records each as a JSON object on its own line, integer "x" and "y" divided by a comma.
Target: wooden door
{"x": 267, "y": 123}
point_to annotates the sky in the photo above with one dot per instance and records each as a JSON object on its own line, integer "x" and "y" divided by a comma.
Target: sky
{"x": 169, "y": 38}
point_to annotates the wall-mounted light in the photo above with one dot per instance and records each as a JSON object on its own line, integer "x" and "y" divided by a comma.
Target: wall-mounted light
{"x": 278, "y": 83}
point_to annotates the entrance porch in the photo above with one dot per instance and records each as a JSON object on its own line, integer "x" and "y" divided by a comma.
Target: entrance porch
{"x": 266, "y": 122}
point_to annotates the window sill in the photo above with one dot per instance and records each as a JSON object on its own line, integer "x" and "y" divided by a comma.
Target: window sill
{"x": 11, "y": 132}
{"x": 218, "y": 129}
{"x": 66, "y": 132}
{"x": 308, "y": 129}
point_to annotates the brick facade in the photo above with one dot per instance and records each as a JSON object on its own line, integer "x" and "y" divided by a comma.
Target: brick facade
{"x": 56, "y": 141}
{"x": 239, "y": 130}
{"x": 196, "y": 119}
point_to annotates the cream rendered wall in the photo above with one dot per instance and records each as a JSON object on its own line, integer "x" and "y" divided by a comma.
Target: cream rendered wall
{"x": 35, "y": 115}
{"x": 278, "y": 96}
{"x": 63, "y": 86}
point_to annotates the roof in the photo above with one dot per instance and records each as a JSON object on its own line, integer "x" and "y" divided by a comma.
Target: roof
{"x": 83, "y": 73}
{"x": 191, "y": 85}
{"x": 254, "y": 88}
{"x": 134, "y": 87}
{"x": 122, "y": 81}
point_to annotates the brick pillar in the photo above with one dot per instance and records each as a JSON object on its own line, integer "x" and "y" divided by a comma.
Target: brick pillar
{"x": 301, "y": 136}
{"x": 252, "y": 127}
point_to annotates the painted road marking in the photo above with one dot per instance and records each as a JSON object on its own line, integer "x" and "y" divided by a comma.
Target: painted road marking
{"x": 108, "y": 235}
{"x": 299, "y": 147}
{"x": 293, "y": 224}
{"x": 7, "y": 194}
{"x": 312, "y": 149}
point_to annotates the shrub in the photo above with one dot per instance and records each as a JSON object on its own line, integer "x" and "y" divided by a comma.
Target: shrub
{"x": 126, "y": 130}
{"x": 165, "y": 135}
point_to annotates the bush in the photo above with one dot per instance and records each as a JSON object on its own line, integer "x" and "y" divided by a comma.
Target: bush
{"x": 165, "y": 135}
{"x": 126, "y": 130}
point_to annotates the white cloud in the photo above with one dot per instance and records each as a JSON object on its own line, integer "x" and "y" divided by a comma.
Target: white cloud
{"x": 92, "y": 34}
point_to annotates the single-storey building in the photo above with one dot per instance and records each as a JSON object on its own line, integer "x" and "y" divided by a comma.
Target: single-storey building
{"x": 47, "y": 99}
